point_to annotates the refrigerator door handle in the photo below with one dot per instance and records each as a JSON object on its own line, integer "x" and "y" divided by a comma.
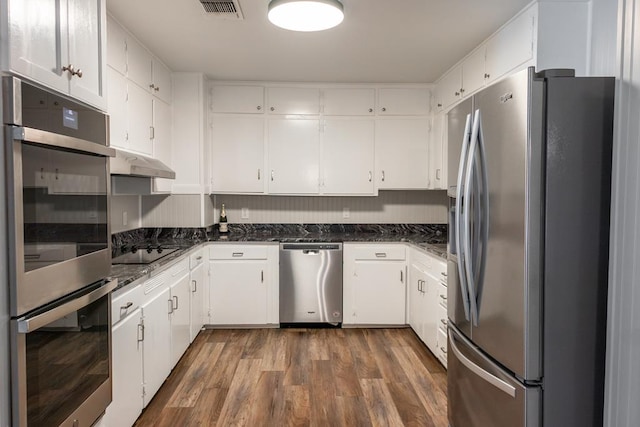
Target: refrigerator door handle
{"x": 467, "y": 254}
{"x": 484, "y": 221}
{"x": 458, "y": 218}
{"x": 491, "y": 379}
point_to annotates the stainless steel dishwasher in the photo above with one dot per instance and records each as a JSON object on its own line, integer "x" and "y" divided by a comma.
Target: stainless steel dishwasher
{"x": 311, "y": 283}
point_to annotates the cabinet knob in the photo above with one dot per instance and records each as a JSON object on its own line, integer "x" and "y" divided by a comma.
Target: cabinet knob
{"x": 371, "y": 110}
{"x": 152, "y": 86}
{"x": 272, "y": 109}
{"x": 384, "y": 109}
{"x": 439, "y": 105}
{"x": 70, "y": 69}
{"x": 461, "y": 90}
{"x": 486, "y": 75}
{"x": 156, "y": 89}
{"x": 78, "y": 73}
{"x": 259, "y": 107}
{"x": 457, "y": 93}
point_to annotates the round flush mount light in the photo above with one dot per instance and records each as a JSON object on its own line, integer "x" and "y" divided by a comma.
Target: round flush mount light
{"x": 305, "y": 15}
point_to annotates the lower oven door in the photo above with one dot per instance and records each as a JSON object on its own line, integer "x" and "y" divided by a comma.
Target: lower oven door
{"x": 61, "y": 360}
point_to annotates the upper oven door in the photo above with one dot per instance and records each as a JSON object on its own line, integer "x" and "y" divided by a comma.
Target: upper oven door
{"x": 60, "y": 236}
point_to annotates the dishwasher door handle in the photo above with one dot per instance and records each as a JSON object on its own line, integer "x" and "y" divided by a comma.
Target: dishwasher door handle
{"x": 310, "y": 252}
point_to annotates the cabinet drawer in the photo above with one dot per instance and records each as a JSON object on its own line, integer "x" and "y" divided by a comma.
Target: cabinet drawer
{"x": 377, "y": 252}
{"x": 237, "y": 252}
{"x": 442, "y": 319}
{"x": 195, "y": 259}
{"x": 442, "y": 298}
{"x": 439, "y": 268}
{"x": 179, "y": 269}
{"x": 441, "y": 353}
{"x": 126, "y": 302}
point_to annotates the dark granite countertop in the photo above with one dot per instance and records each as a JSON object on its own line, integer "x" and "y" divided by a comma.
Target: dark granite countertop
{"x": 432, "y": 241}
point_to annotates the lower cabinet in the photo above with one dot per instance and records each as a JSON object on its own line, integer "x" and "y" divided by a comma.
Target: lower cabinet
{"x": 374, "y": 283}
{"x": 198, "y": 295}
{"x": 428, "y": 301}
{"x": 180, "y": 292}
{"x": 243, "y": 286}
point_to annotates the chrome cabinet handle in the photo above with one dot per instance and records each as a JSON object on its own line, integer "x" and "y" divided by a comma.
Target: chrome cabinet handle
{"x": 199, "y": 257}
{"x": 152, "y": 132}
{"x": 140, "y": 332}
{"x": 69, "y": 68}
{"x": 195, "y": 286}
{"x": 261, "y": 276}
{"x": 444, "y": 350}
{"x": 401, "y": 276}
{"x": 176, "y": 300}
{"x": 382, "y": 176}
{"x": 259, "y": 107}
{"x": 126, "y": 306}
{"x": 237, "y": 254}
{"x": 271, "y": 174}
{"x": 370, "y": 176}
{"x": 444, "y": 322}
{"x": 438, "y": 174}
{"x": 444, "y": 298}
{"x": 170, "y": 301}
{"x": 258, "y": 174}
{"x": 381, "y": 254}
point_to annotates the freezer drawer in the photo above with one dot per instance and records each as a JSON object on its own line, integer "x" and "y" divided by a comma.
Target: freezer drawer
{"x": 481, "y": 394}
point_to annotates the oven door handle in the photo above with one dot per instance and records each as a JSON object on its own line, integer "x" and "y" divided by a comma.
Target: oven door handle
{"x": 51, "y": 139}
{"x": 26, "y": 325}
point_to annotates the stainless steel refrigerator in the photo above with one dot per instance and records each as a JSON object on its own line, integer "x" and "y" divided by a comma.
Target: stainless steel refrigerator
{"x": 530, "y": 176}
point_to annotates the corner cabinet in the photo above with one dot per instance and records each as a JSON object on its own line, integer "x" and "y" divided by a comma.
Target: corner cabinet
{"x": 243, "y": 284}
{"x": 60, "y": 44}
{"x": 374, "y": 291}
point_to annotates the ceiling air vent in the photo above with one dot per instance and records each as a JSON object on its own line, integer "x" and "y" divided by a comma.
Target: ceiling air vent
{"x": 225, "y": 9}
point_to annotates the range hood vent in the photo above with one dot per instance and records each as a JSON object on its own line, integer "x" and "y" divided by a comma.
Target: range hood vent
{"x": 225, "y": 9}
{"x": 131, "y": 164}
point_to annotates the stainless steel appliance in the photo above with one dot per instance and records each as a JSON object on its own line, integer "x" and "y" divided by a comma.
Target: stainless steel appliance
{"x": 311, "y": 283}
{"x": 57, "y": 163}
{"x": 529, "y": 255}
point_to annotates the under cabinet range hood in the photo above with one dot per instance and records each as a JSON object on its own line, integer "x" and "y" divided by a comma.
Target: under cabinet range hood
{"x": 133, "y": 164}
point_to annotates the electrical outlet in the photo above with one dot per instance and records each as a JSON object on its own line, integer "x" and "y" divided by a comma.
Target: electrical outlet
{"x": 125, "y": 220}
{"x": 244, "y": 214}
{"x": 346, "y": 213}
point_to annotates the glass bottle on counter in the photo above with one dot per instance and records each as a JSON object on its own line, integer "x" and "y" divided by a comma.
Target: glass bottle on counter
{"x": 223, "y": 221}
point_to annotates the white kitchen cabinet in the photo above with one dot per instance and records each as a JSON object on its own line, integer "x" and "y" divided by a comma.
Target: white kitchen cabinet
{"x": 293, "y": 156}
{"x": 237, "y": 165}
{"x": 116, "y": 46}
{"x": 437, "y": 153}
{"x": 348, "y": 156}
{"x": 448, "y": 88}
{"x": 243, "y": 284}
{"x": 349, "y": 102}
{"x": 293, "y": 100}
{"x": 431, "y": 317}
{"x": 237, "y": 99}
{"x": 160, "y": 85}
{"x": 60, "y": 44}
{"x": 140, "y": 123}
{"x": 198, "y": 296}
{"x": 403, "y": 101}
{"x": 118, "y": 109}
{"x": 180, "y": 292}
{"x": 374, "y": 291}
{"x": 416, "y": 306}
{"x": 126, "y": 363}
{"x": 157, "y": 339}
{"x": 138, "y": 63}
{"x": 401, "y": 151}
{"x": 162, "y": 141}
{"x": 473, "y": 72}
{"x": 511, "y": 46}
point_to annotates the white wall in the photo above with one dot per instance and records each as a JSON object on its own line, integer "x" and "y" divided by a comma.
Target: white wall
{"x": 405, "y": 207}
{"x": 623, "y": 346}
{"x": 120, "y": 205}
{"x": 177, "y": 210}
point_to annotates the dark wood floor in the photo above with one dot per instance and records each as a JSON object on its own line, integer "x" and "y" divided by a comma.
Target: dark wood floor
{"x": 303, "y": 377}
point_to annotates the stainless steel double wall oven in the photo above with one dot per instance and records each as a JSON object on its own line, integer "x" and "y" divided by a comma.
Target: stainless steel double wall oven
{"x": 57, "y": 166}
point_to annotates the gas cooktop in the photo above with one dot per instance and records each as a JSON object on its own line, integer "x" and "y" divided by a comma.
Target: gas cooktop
{"x": 145, "y": 255}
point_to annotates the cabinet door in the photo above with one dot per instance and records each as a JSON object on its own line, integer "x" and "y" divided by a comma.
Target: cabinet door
{"x": 140, "y": 111}
{"x": 116, "y": 46}
{"x": 511, "y": 47}
{"x": 238, "y": 292}
{"x": 449, "y": 87}
{"x": 126, "y": 363}
{"x": 293, "y": 156}
{"x": 401, "y": 153}
{"x": 139, "y": 64}
{"x": 347, "y": 156}
{"x": 38, "y": 41}
{"x": 237, "y": 99}
{"x": 161, "y": 81}
{"x": 437, "y": 153}
{"x": 287, "y": 100}
{"x": 403, "y": 101}
{"x": 416, "y": 300}
{"x": 237, "y": 144}
{"x": 198, "y": 286}
{"x": 379, "y": 293}
{"x": 349, "y": 102}
{"x": 180, "y": 317}
{"x": 157, "y": 343}
{"x": 432, "y": 314}
{"x": 473, "y": 72}
{"x": 162, "y": 140}
{"x": 117, "y": 108}
{"x": 87, "y": 46}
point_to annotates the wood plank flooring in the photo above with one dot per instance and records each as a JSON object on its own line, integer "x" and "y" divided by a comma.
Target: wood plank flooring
{"x": 303, "y": 377}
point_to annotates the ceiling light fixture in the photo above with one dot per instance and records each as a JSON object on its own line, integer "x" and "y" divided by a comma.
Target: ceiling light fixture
{"x": 305, "y": 15}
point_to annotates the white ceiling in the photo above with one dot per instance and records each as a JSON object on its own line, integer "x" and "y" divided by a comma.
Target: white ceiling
{"x": 403, "y": 41}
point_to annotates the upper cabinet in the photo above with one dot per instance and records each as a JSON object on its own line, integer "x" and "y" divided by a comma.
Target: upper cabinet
{"x": 237, "y": 99}
{"x": 403, "y": 101}
{"x": 60, "y": 44}
{"x": 293, "y": 100}
{"x": 349, "y": 102}
{"x": 544, "y": 35}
